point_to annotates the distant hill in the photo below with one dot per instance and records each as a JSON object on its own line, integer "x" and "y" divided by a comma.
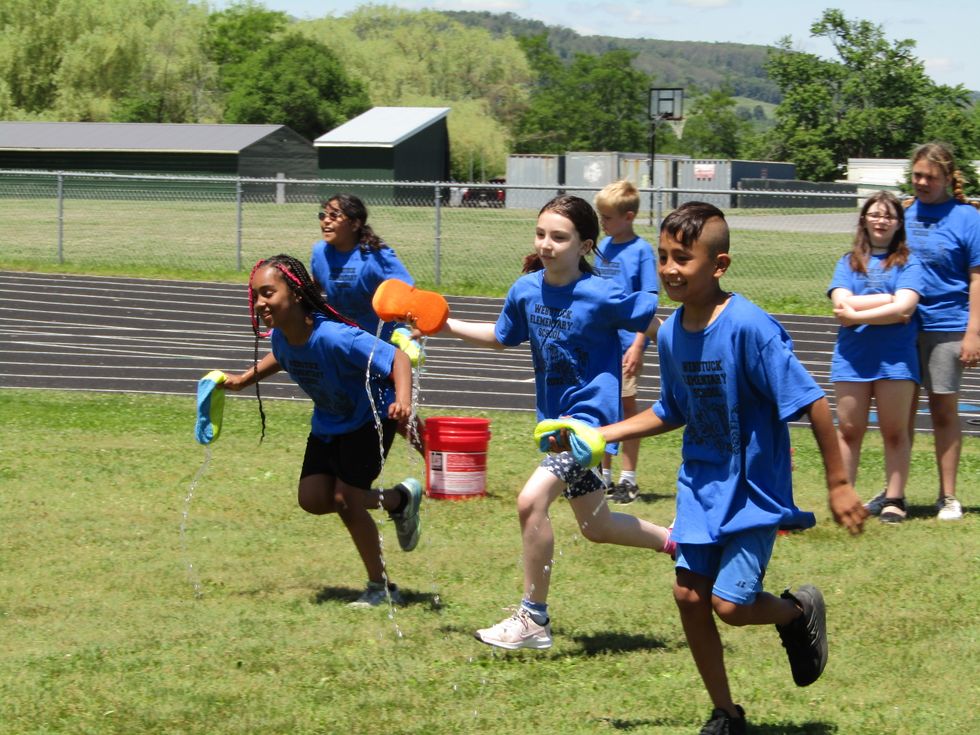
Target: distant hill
{"x": 696, "y": 66}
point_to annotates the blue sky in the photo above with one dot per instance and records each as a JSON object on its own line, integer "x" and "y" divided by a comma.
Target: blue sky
{"x": 946, "y": 38}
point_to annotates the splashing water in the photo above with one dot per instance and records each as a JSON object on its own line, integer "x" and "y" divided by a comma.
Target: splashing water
{"x": 192, "y": 575}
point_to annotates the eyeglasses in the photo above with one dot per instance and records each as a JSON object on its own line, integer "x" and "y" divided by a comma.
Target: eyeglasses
{"x": 333, "y": 215}
{"x": 881, "y": 217}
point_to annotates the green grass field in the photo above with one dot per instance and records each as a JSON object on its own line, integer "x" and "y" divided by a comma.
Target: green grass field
{"x": 480, "y": 250}
{"x": 102, "y": 632}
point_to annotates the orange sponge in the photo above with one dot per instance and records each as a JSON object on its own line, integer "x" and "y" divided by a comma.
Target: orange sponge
{"x": 396, "y": 301}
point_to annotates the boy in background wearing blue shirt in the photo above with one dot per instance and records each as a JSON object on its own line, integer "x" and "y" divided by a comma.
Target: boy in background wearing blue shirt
{"x": 729, "y": 376}
{"x": 627, "y": 259}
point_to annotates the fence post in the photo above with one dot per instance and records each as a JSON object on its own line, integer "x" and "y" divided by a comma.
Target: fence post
{"x": 61, "y": 218}
{"x": 438, "y": 234}
{"x": 238, "y": 236}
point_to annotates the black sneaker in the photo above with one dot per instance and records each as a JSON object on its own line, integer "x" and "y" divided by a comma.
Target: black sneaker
{"x": 805, "y": 638}
{"x": 722, "y": 723}
{"x": 624, "y": 492}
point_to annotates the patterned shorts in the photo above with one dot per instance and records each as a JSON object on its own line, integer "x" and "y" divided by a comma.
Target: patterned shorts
{"x": 579, "y": 480}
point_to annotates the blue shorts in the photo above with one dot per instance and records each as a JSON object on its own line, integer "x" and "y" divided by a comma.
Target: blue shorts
{"x": 737, "y": 566}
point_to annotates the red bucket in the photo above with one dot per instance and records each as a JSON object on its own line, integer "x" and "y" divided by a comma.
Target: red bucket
{"x": 456, "y": 457}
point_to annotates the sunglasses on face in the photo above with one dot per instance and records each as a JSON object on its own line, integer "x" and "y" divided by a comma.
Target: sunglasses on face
{"x": 333, "y": 215}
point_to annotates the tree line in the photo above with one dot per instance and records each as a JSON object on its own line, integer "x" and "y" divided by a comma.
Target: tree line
{"x": 512, "y": 86}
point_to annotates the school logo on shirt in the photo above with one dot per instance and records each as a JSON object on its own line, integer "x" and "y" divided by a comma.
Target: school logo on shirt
{"x": 550, "y": 322}
{"x": 309, "y": 377}
{"x": 712, "y": 425}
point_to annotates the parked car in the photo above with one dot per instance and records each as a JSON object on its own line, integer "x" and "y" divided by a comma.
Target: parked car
{"x": 484, "y": 196}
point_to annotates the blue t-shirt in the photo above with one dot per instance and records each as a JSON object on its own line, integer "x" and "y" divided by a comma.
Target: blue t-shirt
{"x": 331, "y": 368}
{"x": 350, "y": 280}
{"x": 867, "y": 352}
{"x": 734, "y": 386}
{"x": 946, "y": 238}
{"x": 632, "y": 266}
{"x": 572, "y": 332}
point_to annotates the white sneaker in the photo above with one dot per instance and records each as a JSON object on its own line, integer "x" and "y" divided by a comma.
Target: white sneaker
{"x": 517, "y": 631}
{"x": 949, "y": 508}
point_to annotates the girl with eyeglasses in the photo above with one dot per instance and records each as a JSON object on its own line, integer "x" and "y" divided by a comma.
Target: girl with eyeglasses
{"x": 349, "y": 264}
{"x": 875, "y": 291}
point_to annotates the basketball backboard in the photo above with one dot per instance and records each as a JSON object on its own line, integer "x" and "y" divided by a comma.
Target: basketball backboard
{"x": 666, "y": 103}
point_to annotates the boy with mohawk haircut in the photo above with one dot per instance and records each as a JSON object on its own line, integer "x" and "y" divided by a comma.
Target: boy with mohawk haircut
{"x": 729, "y": 376}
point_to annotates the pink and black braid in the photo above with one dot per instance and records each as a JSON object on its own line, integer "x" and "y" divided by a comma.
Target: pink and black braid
{"x": 300, "y": 283}
{"x": 298, "y": 280}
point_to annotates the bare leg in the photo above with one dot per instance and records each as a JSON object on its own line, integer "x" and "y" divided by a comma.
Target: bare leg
{"x": 948, "y": 437}
{"x": 893, "y": 399}
{"x": 630, "y": 449}
{"x": 322, "y": 494}
{"x": 602, "y": 526}
{"x": 692, "y": 593}
{"x": 537, "y": 535}
{"x": 853, "y": 405}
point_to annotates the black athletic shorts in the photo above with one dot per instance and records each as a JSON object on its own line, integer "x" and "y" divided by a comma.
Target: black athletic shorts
{"x": 355, "y": 458}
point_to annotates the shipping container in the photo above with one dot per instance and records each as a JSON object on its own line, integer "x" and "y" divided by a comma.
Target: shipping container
{"x": 723, "y": 174}
{"x": 546, "y": 170}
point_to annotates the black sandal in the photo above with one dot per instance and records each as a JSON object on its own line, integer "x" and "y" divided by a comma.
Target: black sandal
{"x": 893, "y": 511}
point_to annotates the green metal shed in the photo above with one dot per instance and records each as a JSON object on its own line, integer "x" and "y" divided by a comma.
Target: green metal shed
{"x": 389, "y": 144}
{"x": 258, "y": 151}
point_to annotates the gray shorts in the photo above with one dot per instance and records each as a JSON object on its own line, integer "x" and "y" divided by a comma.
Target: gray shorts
{"x": 939, "y": 360}
{"x": 579, "y": 480}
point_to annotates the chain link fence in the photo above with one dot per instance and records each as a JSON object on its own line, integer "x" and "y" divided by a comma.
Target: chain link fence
{"x": 456, "y": 238}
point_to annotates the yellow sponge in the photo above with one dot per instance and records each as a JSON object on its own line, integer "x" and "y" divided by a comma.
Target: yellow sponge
{"x": 587, "y": 444}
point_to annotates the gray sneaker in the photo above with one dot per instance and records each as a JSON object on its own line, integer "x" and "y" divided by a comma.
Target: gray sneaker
{"x": 624, "y": 492}
{"x": 408, "y": 523}
{"x": 375, "y": 594}
{"x": 805, "y": 638}
{"x": 876, "y": 504}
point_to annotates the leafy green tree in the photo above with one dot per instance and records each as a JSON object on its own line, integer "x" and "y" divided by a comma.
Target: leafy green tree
{"x": 713, "y": 128}
{"x": 298, "y": 82}
{"x": 873, "y": 101}
{"x": 73, "y": 60}
{"x": 594, "y": 103}
{"x": 240, "y": 29}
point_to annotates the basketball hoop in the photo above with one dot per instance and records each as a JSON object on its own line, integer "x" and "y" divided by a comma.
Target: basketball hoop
{"x": 666, "y": 103}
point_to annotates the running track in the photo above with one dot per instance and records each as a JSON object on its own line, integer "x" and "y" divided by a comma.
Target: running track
{"x": 124, "y": 335}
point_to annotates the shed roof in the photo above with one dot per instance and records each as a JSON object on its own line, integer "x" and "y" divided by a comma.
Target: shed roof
{"x": 382, "y": 127}
{"x": 143, "y": 137}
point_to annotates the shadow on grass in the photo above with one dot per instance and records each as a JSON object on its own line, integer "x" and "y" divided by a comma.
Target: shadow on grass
{"x": 611, "y": 642}
{"x": 926, "y": 512}
{"x": 653, "y": 497}
{"x": 808, "y": 728}
{"x": 589, "y": 645}
{"x": 347, "y": 595}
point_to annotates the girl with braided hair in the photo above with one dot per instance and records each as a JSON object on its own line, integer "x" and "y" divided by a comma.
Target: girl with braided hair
{"x": 328, "y": 357}
{"x": 349, "y": 264}
{"x": 943, "y": 231}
